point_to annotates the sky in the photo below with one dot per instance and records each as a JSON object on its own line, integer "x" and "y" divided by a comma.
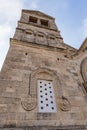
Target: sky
{"x": 70, "y": 17}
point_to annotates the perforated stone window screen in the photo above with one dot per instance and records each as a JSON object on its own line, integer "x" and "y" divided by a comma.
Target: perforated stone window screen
{"x": 46, "y": 97}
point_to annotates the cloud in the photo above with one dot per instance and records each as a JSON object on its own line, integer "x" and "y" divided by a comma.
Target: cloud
{"x": 10, "y": 11}
{"x": 9, "y": 14}
{"x": 32, "y": 4}
{"x": 5, "y": 31}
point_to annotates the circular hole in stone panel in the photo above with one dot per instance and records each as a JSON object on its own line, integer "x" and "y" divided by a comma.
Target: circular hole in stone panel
{"x": 46, "y": 89}
{"x": 40, "y": 91}
{"x": 45, "y": 85}
{"x": 41, "y": 107}
{"x": 47, "y": 105}
{"x": 41, "y": 96}
{"x": 40, "y": 86}
{"x": 40, "y": 82}
{"x": 49, "y": 83}
{"x": 46, "y": 99}
{"x": 50, "y": 91}
{"x": 41, "y": 101}
{"x": 50, "y": 87}
{"x": 51, "y": 102}
{"x": 45, "y": 93}
{"x": 52, "y": 108}
{"x": 51, "y": 96}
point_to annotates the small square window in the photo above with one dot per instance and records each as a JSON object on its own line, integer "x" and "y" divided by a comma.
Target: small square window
{"x": 44, "y": 22}
{"x": 32, "y": 19}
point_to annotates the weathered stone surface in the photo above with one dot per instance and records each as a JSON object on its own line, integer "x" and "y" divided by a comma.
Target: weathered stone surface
{"x": 38, "y": 52}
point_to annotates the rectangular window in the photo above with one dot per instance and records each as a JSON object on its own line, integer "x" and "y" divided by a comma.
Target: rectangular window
{"x": 44, "y": 22}
{"x": 46, "y": 98}
{"x": 32, "y": 19}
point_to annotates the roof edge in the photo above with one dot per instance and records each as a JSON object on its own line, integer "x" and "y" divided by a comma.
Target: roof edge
{"x": 38, "y": 12}
{"x": 85, "y": 40}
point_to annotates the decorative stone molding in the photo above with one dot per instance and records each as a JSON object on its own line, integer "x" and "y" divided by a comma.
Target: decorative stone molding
{"x": 85, "y": 86}
{"x": 52, "y": 39}
{"x": 28, "y": 103}
{"x": 44, "y": 74}
{"x": 29, "y": 35}
{"x": 64, "y": 104}
{"x": 41, "y": 38}
{"x": 84, "y": 69}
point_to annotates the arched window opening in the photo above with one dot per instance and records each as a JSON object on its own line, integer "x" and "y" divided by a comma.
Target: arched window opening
{"x": 43, "y": 87}
{"x": 29, "y": 36}
{"x": 41, "y": 38}
{"x": 51, "y": 39}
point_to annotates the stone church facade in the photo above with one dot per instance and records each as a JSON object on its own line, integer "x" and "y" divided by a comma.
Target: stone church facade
{"x": 43, "y": 82}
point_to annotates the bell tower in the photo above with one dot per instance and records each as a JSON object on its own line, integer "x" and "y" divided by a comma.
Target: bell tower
{"x": 38, "y": 28}
{"x": 41, "y": 87}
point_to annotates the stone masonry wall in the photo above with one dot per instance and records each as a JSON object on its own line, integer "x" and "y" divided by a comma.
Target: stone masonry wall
{"x": 20, "y": 63}
{"x": 39, "y": 52}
